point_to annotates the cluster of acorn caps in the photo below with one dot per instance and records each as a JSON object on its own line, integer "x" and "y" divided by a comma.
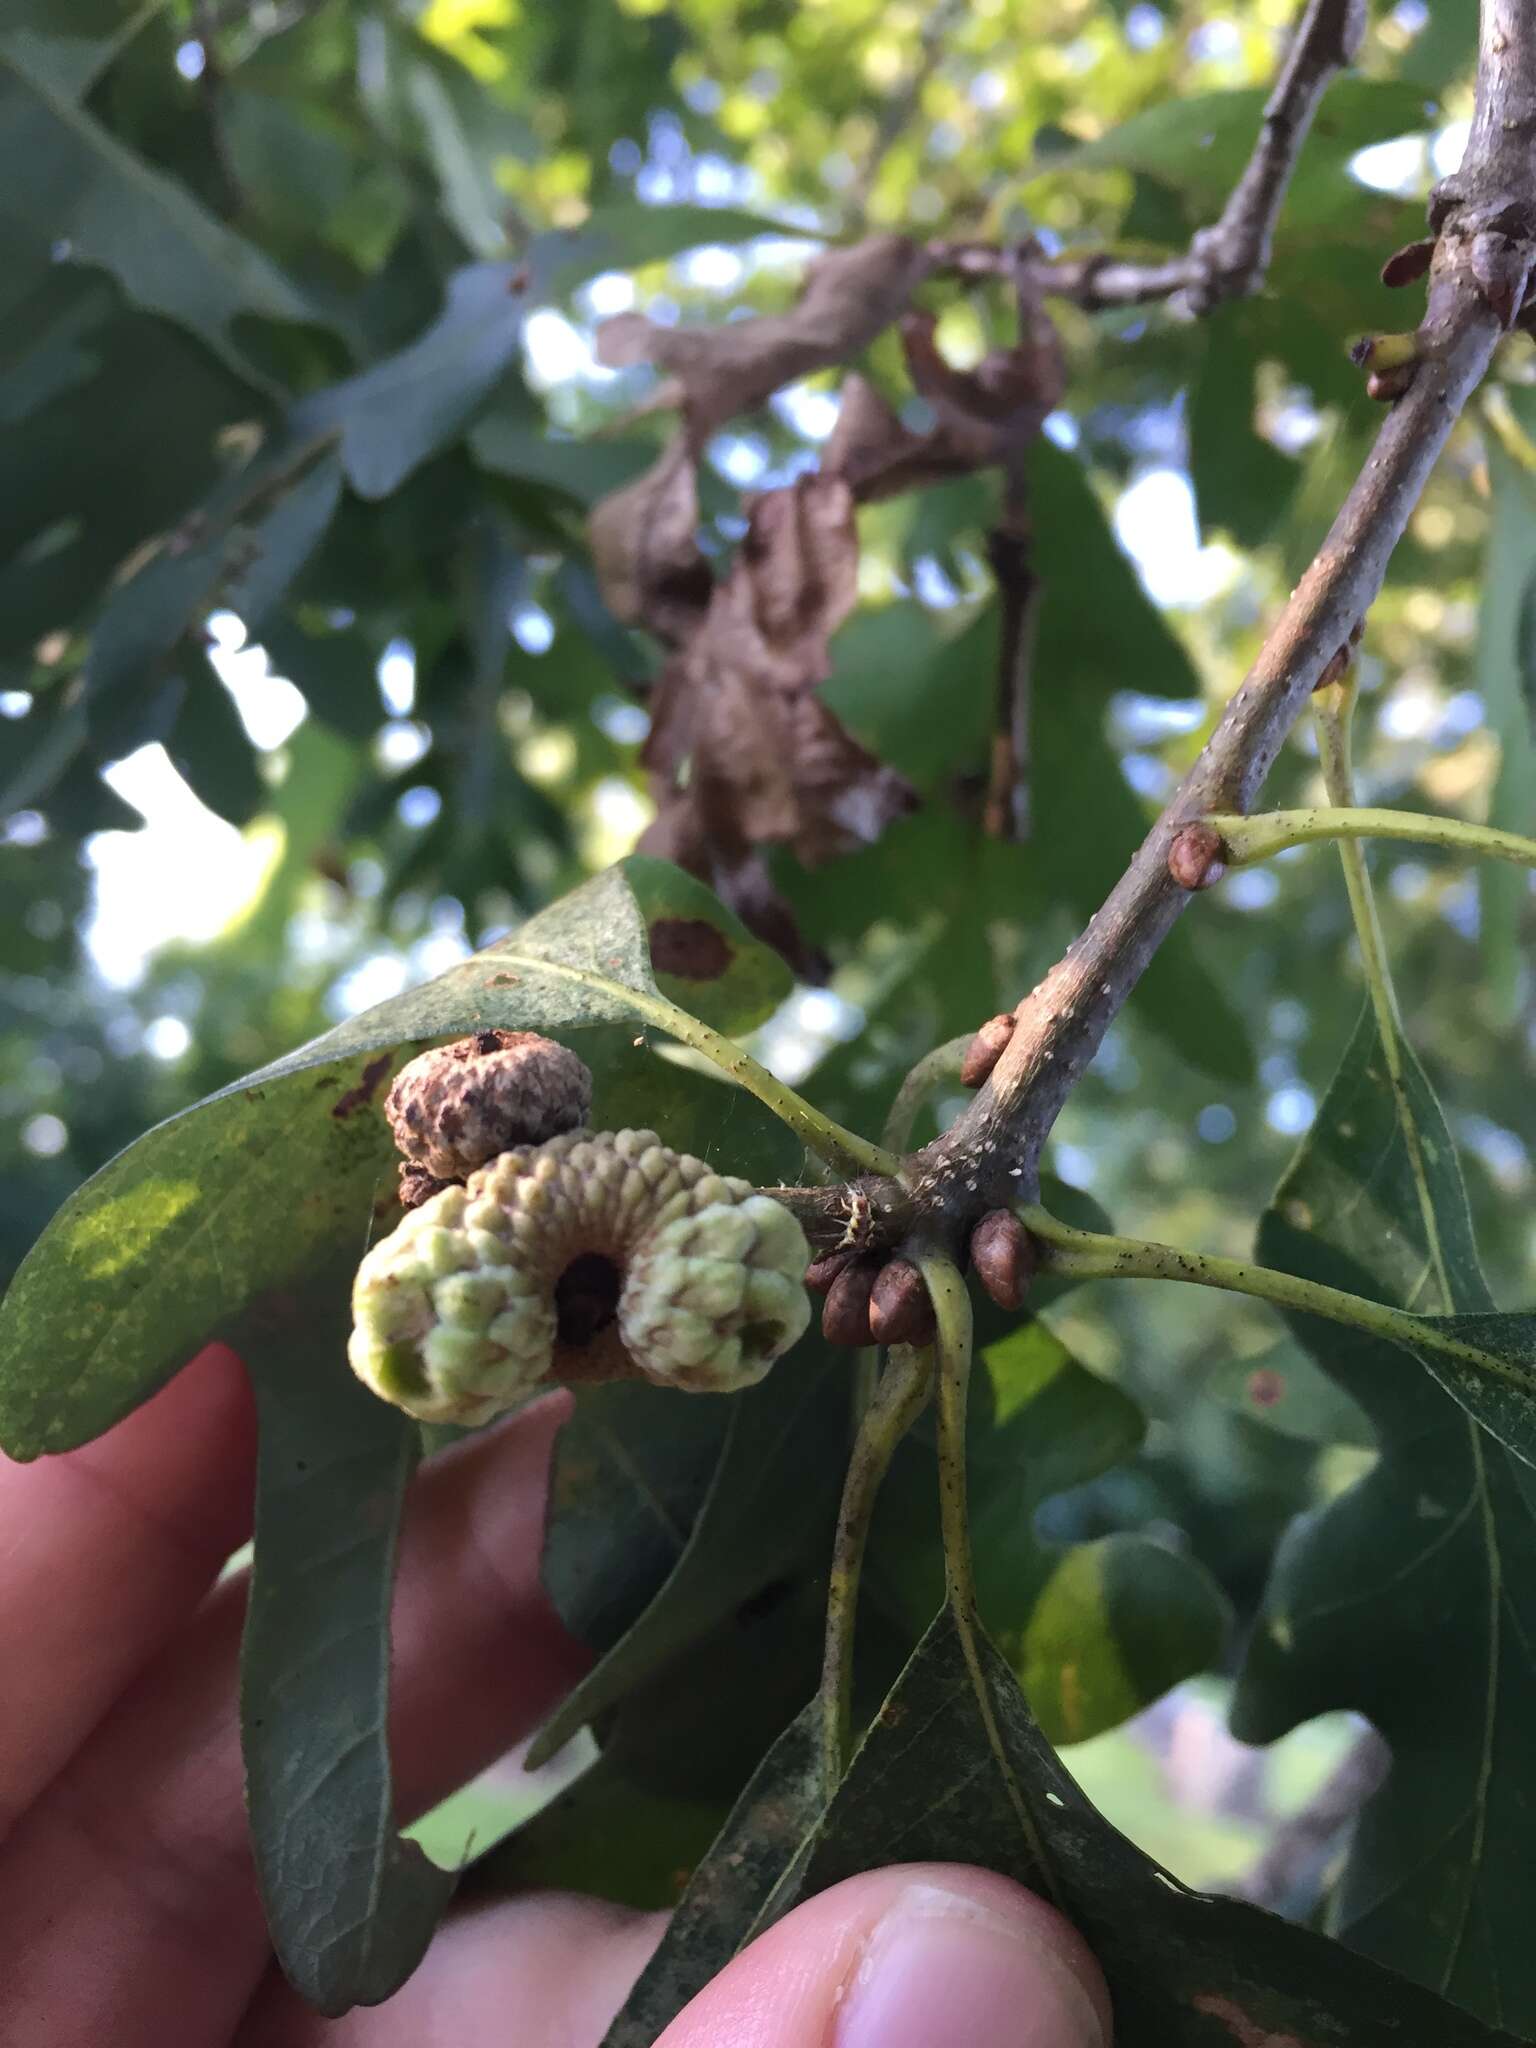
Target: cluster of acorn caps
{"x": 871, "y": 1298}
{"x": 536, "y": 1252}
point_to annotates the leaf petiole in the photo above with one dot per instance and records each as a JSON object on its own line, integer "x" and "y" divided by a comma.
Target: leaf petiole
{"x": 1248, "y": 840}
{"x": 845, "y": 1151}
{"x": 952, "y": 1309}
{"x": 898, "y": 1399}
{"x": 1093, "y": 1255}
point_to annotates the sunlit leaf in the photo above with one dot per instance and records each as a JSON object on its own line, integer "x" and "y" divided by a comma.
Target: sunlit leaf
{"x": 285, "y": 1169}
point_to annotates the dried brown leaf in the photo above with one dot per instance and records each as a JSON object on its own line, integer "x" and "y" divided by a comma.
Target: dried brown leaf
{"x": 645, "y": 551}
{"x": 735, "y": 717}
{"x": 848, "y": 297}
{"x": 991, "y": 413}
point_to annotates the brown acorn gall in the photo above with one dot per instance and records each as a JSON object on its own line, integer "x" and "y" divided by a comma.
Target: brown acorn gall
{"x": 1003, "y": 1256}
{"x": 899, "y": 1309}
{"x": 1196, "y": 859}
{"x": 845, "y": 1312}
{"x": 986, "y": 1049}
{"x": 456, "y": 1107}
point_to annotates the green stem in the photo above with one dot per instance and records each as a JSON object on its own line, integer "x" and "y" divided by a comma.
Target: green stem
{"x": 844, "y": 1151}
{"x": 1333, "y": 710}
{"x": 942, "y": 1064}
{"x": 1091, "y": 1255}
{"x": 895, "y": 1405}
{"x": 952, "y": 1309}
{"x": 1270, "y": 832}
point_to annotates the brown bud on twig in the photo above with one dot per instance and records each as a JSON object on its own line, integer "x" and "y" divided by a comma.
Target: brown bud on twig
{"x": 1197, "y": 857}
{"x": 1335, "y": 668}
{"x": 1385, "y": 385}
{"x": 899, "y": 1309}
{"x": 820, "y": 1273}
{"x": 845, "y": 1312}
{"x": 986, "y": 1049}
{"x": 1003, "y": 1255}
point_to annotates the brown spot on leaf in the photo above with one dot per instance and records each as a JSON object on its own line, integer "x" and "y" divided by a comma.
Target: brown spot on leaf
{"x": 367, "y": 1087}
{"x": 690, "y": 948}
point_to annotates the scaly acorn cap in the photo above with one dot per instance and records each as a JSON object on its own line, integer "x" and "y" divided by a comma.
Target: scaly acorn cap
{"x": 592, "y": 1257}
{"x": 455, "y": 1107}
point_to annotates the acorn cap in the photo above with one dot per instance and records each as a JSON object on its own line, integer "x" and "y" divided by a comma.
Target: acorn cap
{"x": 591, "y": 1257}
{"x": 457, "y": 1106}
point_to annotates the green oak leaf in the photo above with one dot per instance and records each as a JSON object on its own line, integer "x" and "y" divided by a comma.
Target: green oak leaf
{"x": 350, "y": 1906}
{"x": 933, "y": 1780}
{"x": 1412, "y": 1597}
{"x": 776, "y": 1811}
{"x": 1094, "y": 1631}
{"x": 285, "y": 1170}
{"x": 768, "y": 1510}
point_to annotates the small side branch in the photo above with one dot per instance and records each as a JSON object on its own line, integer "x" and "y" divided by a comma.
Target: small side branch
{"x": 1229, "y": 259}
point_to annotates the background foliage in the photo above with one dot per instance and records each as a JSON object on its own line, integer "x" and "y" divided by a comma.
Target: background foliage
{"x": 306, "y": 689}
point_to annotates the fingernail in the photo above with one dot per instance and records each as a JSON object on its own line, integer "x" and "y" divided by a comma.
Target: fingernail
{"x": 942, "y": 1966}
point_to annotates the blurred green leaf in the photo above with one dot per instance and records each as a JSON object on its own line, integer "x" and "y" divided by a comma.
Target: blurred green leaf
{"x": 1506, "y": 675}
{"x": 208, "y": 743}
{"x": 1199, "y": 142}
{"x": 1286, "y": 1389}
{"x": 83, "y": 193}
{"x": 391, "y": 417}
{"x": 1242, "y": 482}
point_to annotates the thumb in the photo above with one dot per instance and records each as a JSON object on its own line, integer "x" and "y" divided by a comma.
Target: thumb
{"x": 905, "y": 1958}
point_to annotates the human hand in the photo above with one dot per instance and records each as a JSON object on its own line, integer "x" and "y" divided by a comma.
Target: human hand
{"x": 128, "y": 1905}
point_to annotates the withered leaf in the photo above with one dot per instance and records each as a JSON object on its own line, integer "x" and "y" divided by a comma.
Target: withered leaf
{"x": 742, "y": 751}
{"x": 735, "y": 715}
{"x": 645, "y": 550}
{"x": 848, "y": 297}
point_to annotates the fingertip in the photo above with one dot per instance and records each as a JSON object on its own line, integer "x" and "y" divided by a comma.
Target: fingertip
{"x": 904, "y": 1957}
